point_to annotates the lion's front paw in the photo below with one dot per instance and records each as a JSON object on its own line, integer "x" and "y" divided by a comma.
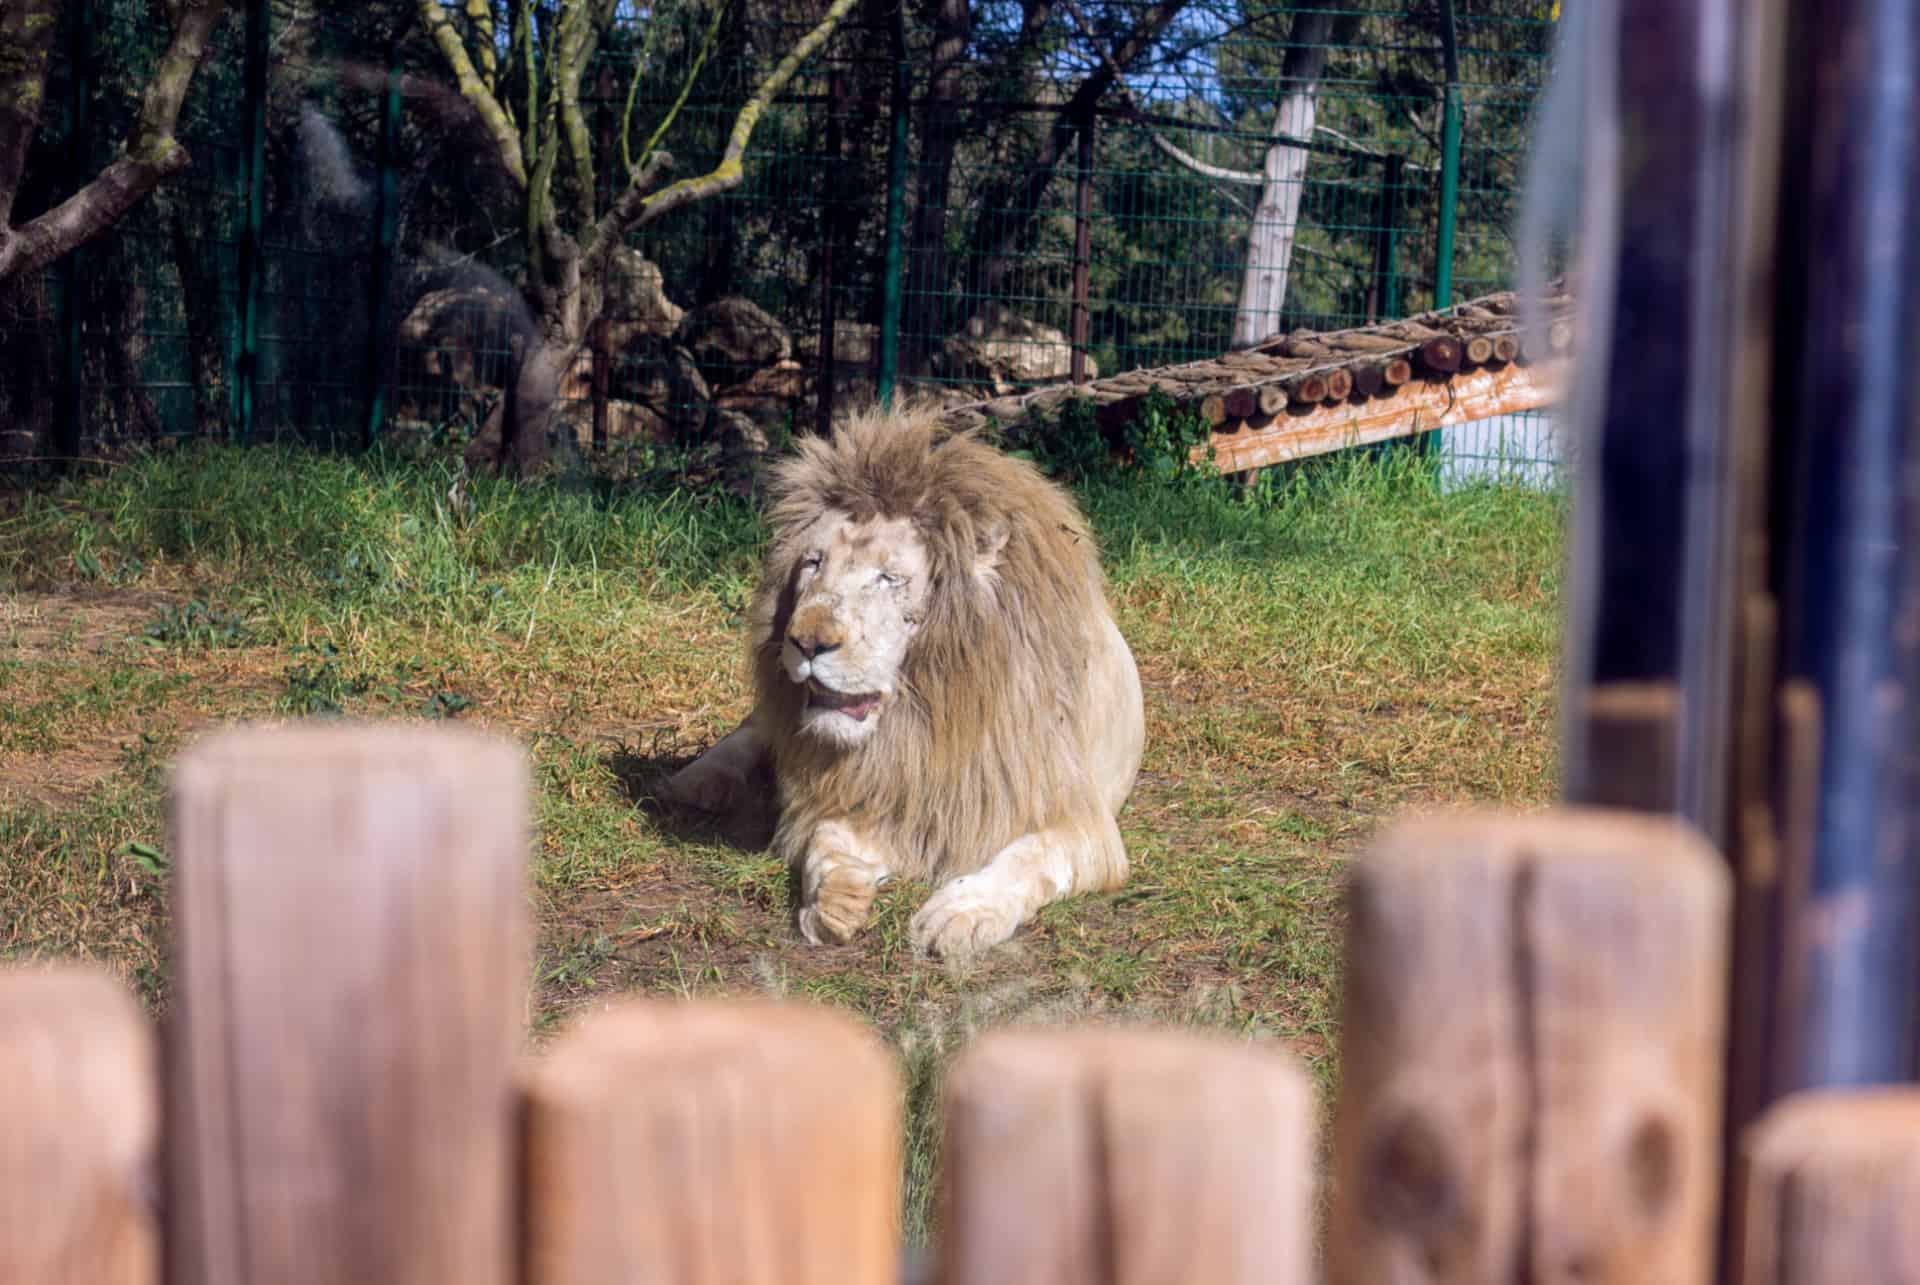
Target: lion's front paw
{"x": 967, "y": 916}
{"x": 701, "y": 788}
{"x": 838, "y": 905}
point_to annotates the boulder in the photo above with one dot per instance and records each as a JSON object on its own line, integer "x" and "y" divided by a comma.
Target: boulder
{"x": 460, "y": 339}
{"x": 636, "y": 298}
{"x": 730, "y": 338}
{"x": 1009, "y": 352}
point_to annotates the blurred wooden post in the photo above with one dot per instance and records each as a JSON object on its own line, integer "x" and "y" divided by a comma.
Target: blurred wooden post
{"x": 1531, "y": 1053}
{"x": 350, "y": 963}
{"x": 1829, "y": 1183}
{"x": 79, "y": 1121}
{"x": 739, "y": 1142}
{"x": 1126, "y": 1157}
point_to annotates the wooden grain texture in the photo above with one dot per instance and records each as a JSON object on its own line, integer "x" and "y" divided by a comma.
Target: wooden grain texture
{"x": 79, "y": 1122}
{"x": 1531, "y": 1053}
{"x": 1414, "y": 408}
{"x": 1126, "y": 1157}
{"x": 1630, "y": 745}
{"x": 1829, "y": 1182}
{"x": 746, "y": 1142}
{"x": 350, "y": 964}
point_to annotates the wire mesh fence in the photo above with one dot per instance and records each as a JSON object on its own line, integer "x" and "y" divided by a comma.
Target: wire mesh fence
{"x": 950, "y": 197}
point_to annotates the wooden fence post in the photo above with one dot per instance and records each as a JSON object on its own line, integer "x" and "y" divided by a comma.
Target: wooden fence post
{"x": 1829, "y": 1181}
{"x": 79, "y": 1122}
{"x": 1531, "y": 1064}
{"x": 350, "y": 965}
{"x": 1126, "y": 1157}
{"x": 750, "y": 1143}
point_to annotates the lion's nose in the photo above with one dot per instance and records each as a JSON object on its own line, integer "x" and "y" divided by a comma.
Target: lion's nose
{"x": 811, "y": 644}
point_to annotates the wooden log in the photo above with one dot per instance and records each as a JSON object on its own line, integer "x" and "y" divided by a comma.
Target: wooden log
{"x": 744, "y": 1142}
{"x": 1304, "y": 390}
{"x": 350, "y": 963}
{"x": 1242, "y": 402}
{"x": 1213, "y": 408}
{"x": 1629, "y": 745}
{"x": 1273, "y": 399}
{"x": 1506, "y": 347}
{"x": 1396, "y": 372}
{"x": 1415, "y": 408}
{"x": 1126, "y": 1156}
{"x": 1366, "y": 342}
{"x": 1531, "y": 1052}
{"x": 1339, "y": 385}
{"x": 1829, "y": 1180}
{"x": 1442, "y": 354}
{"x": 1479, "y": 350}
{"x": 1368, "y": 377}
{"x": 79, "y": 1123}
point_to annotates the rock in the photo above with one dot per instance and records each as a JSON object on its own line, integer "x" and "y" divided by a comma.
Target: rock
{"x": 855, "y": 343}
{"x": 459, "y": 339}
{"x": 770, "y": 397}
{"x": 1008, "y": 352}
{"x": 660, "y": 392}
{"x": 743, "y": 452}
{"x": 729, "y": 338}
{"x": 628, "y": 423}
{"x": 636, "y": 299}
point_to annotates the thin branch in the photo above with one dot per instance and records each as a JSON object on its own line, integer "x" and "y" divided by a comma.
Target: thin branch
{"x": 686, "y": 87}
{"x": 727, "y": 174}
{"x": 1160, "y": 140}
{"x": 655, "y": 24}
{"x": 1201, "y": 167}
{"x": 151, "y": 155}
{"x": 454, "y": 50}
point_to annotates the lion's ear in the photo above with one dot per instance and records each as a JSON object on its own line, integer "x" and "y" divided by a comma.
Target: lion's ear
{"x": 989, "y": 542}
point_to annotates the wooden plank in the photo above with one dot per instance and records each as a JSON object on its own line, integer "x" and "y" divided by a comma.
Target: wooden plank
{"x": 350, "y": 963}
{"x": 1531, "y": 1052}
{"x": 749, "y": 1143}
{"x": 1130, "y": 1157}
{"x": 1828, "y": 1185}
{"x": 1415, "y": 408}
{"x": 79, "y": 1123}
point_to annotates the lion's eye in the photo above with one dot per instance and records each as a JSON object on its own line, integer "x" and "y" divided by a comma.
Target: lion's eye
{"x": 810, "y": 563}
{"x": 891, "y": 580}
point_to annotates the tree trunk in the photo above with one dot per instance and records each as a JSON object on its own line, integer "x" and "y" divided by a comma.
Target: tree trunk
{"x": 939, "y": 138}
{"x": 1276, "y": 220}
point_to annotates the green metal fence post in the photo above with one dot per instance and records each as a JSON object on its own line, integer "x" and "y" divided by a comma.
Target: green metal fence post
{"x": 896, "y": 213}
{"x": 386, "y": 228}
{"x": 79, "y": 154}
{"x": 1449, "y": 160}
{"x": 254, "y": 163}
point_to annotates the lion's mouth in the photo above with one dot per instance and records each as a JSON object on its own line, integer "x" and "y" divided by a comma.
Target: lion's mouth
{"x": 855, "y": 705}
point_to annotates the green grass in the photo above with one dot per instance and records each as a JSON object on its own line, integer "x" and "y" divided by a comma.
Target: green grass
{"x": 1317, "y": 654}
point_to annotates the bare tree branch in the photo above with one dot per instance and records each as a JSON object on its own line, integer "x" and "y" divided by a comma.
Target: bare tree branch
{"x": 1160, "y": 140}
{"x": 492, "y": 115}
{"x": 151, "y": 155}
{"x": 727, "y": 174}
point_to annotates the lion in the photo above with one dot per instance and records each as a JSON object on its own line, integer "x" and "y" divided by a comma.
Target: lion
{"x": 941, "y": 691}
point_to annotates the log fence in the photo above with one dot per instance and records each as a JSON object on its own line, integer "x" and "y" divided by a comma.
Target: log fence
{"x": 1531, "y": 1083}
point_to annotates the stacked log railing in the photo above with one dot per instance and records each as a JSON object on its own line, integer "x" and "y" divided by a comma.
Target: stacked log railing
{"x": 1308, "y": 393}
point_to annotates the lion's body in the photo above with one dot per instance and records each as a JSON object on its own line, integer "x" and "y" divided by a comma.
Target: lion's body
{"x": 1010, "y": 726}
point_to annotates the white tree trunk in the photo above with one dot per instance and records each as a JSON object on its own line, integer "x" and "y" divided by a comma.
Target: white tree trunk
{"x": 1276, "y": 220}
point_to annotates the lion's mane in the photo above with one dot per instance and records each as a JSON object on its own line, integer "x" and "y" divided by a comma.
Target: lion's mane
{"x": 989, "y": 737}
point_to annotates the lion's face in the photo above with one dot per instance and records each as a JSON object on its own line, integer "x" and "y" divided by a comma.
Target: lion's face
{"x": 860, "y": 592}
